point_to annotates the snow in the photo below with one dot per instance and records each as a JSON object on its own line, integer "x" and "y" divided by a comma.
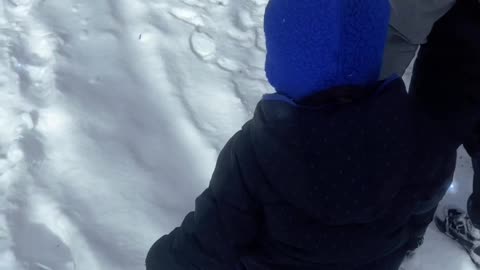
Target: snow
{"x": 112, "y": 116}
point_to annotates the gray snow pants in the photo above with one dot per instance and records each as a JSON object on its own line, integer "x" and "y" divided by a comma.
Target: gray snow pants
{"x": 410, "y": 25}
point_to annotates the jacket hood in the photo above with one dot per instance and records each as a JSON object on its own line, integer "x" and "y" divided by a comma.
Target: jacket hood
{"x": 314, "y": 45}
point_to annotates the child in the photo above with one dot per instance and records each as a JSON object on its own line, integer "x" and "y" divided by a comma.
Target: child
{"x": 324, "y": 175}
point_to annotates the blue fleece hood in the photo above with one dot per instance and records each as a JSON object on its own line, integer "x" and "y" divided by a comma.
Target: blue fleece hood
{"x": 314, "y": 45}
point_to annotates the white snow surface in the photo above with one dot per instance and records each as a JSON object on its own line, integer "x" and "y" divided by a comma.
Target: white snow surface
{"x": 112, "y": 115}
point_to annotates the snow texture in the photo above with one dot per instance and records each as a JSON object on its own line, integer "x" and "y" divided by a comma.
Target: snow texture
{"x": 113, "y": 113}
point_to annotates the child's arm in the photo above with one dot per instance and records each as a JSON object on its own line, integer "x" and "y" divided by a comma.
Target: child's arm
{"x": 224, "y": 224}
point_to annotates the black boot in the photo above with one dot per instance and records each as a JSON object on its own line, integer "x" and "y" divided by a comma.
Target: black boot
{"x": 456, "y": 224}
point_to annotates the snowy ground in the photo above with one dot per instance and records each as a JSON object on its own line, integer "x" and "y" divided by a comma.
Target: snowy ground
{"x": 112, "y": 115}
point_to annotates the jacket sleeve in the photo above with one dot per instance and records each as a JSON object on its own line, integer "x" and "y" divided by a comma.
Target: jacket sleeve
{"x": 223, "y": 226}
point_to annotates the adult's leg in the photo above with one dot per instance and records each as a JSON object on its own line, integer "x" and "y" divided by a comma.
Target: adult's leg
{"x": 410, "y": 24}
{"x": 446, "y": 81}
{"x": 399, "y": 53}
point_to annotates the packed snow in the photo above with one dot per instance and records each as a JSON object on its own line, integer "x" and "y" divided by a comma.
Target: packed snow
{"x": 113, "y": 113}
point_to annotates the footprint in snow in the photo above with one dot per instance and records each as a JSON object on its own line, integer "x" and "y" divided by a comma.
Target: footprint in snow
{"x": 47, "y": 252}
{"x": 203, "y": 45}
{"x": 19, "y": 8}
{"x": 189, "y": 16}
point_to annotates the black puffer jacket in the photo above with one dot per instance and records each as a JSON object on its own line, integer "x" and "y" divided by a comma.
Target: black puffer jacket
{"x": 335, "y": 183}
